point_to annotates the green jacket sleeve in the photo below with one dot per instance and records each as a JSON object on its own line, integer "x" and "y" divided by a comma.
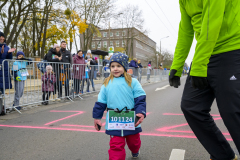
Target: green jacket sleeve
{"x": 213, "y": 12}
{"x": 185, "y": 38}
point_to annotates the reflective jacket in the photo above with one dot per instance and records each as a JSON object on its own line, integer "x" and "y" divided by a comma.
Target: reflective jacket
{"x": 216, "y": 26}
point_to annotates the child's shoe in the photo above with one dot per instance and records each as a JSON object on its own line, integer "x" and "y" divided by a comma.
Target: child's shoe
{"x": 135, "y": 155}
{"x": 18, "y": 108}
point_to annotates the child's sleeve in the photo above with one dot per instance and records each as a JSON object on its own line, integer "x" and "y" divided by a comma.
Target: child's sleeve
{"x": 139, "y": 98}
{"x": 101, "y": 105}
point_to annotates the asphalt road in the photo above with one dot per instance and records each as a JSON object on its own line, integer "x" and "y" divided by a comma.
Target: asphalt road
{"x": 65, "y": 131}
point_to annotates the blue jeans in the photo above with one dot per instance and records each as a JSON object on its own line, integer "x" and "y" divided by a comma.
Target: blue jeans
{"x": 95, "y": 74}
{"x": 92, "y": 83}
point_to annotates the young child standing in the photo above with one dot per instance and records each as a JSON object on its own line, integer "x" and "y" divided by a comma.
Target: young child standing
{"x": 20, "y": 74}
{"x": 121, "y": 95}
{"x": 48, "y": 84}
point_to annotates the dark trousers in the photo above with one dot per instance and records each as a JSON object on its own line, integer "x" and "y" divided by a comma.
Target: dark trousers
{"x": 196, "y": 105}
{"x": 77, "y": 83}
{"x": 46, "y": 93}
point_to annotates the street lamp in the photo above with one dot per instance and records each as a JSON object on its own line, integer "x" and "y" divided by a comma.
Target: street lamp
{"x": 160, "y": 48}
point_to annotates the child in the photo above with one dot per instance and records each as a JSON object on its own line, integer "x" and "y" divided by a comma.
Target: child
{"x": 121, "y": 93}
{"x": 48, "y": 84}
{"x": 20, "y": 76}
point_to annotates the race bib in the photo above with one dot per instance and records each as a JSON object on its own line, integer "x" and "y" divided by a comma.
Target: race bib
{"x": 121, "y": 121}
{"x": 108, "y": 70}
{"x": 77, "y": 68}
{"x": 24, "y": 72}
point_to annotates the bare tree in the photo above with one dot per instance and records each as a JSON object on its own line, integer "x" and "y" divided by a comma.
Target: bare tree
{"x": 131, "y": 20}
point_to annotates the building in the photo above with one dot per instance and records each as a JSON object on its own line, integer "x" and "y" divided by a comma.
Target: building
{"x": 126, "y": 40}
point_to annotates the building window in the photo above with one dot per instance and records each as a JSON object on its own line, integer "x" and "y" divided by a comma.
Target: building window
{"x": 99, "y": 44}
{"x": 93, "y": 44}
{"x": 111, "y": 34}
{"x": 105, "y": 44}
{"x": 117, "y": 33}
{"x": 123, "y": 43}
{"x": 111, "y": 43}
{"x": 93, "y": 35}
{"x": 117, "y": 43}
{"x": 123, "y": 33}
{"x": 105, "y": 34}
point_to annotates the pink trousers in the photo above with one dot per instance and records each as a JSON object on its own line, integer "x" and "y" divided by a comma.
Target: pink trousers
{"x": 117, "y": 144}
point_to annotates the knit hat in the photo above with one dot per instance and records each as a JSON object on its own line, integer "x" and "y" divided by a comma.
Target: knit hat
{"x": 121, "y": 59}
{"x": 95, "y": 58}
{"x": 89, "y": 51}
{"x": 48, "y": 67}
{"x": 2, "y": 35}
{"x": 20, "y": 53}
{"x": 56, "y": 46}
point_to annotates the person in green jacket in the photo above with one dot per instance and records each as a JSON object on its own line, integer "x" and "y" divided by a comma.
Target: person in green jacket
{"x": 215, "y": 71}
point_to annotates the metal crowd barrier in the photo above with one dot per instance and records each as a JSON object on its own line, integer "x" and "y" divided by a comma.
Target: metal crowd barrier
{"x": 31, "y": 85}
{"x": 66, "y": 82}
{"x": 145, "y": 75}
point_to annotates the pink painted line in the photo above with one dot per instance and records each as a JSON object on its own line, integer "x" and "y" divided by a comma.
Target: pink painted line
{"x": 70, "y": 125}
{"x": 85, "y": 130}
{"x": 167, "y": 128}
{"x": 172, "y": 114}
{"x": 65, "y": 111}
{"x": 50, "y": 128}
{"x": 79, "y": 112}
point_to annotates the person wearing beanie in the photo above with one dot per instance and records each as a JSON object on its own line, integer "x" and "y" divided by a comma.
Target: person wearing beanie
{"x": 90, "y": 68}
{"x": 54, "y": 55}
{"x": 149, "y": 68}
{"x": 121, "y": 95}
{"x": 134, "y": 66}
{"x": 48, "y": 81}
{"x": 20, "y": 74}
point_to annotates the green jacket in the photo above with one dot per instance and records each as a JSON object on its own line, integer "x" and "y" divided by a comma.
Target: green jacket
{"x": 216, "y": 25}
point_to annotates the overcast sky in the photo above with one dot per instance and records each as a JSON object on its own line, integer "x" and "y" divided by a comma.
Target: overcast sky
{"x": 157, "y": 24}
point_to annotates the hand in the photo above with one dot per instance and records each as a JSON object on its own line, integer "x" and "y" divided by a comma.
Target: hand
{"x": 2, "y": 51}
{"x": 198, "y": 82}
{"x": 89, "y": 59}
{"x": 11, "y": 50}
{"x": 97, "y": 121}
{"x": 56, "y": 56}
{"x": 140, "y": 120}
{"x": 174, "y": 80}
{"x": 60, "y": 58}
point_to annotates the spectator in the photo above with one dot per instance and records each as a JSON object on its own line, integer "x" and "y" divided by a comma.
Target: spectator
{"x": 106, "y": 71}
{"x": 149, "y": 68}
{"x": 78, "y": 71}
{"x": 90, "y": 61}
{"x": 95, "y": 68}
{"x": 160, "y": 67}
{"x": 134, "y": 66}
{"x": 106, "y": 61}
{"x": 140, "y": 71}
{"x": 20, "y": 76}
{"x": 54, "y": 55}
{"x": 49, "y": 80}
{"x": 6, "y": 53}
{"x": 66, "y": 58}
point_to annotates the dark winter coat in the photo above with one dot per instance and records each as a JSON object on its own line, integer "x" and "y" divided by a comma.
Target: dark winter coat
{"x": 7, "y": 76}
{"x": 50, "y": 58}
{"x": 133, "y": 64}
{"x": 105, "y": 61}
{"x": 48, "y": 82}
{"x": 79, "y": 68}
{"x": 66, "y": 56}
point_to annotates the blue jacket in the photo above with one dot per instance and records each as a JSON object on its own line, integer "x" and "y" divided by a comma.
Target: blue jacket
{"x": 118, "y": 94}
{"x": 133, "y": 64}
{"x": 7, "y": 76}
{"x": 20, "y": 65}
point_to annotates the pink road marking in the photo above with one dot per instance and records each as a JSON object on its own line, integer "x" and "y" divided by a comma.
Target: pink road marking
{"x": 179, "y": 114}
{"x": 71, "y": 125}
{"x": 79, "y": 112}
{"x": 86, "y": 130}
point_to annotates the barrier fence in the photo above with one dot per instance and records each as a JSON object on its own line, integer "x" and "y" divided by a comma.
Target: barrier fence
{"x": 30, "y": 82}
